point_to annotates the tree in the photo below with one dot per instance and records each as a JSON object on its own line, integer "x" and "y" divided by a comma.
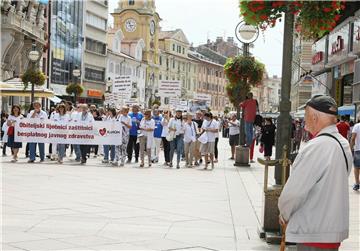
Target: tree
{"x": 74, "y": 89}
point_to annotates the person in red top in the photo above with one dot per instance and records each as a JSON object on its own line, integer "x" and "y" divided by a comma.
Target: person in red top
{"x": 343, "y": 127}
{"x": 249, "y": 108}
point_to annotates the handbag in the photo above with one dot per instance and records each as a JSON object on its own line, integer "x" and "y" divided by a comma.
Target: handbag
{"x": 203, "y": 139}
{"x": 10, "y": 131}
{"x": 170, "y": 136}
{"x": 261, "y": 149}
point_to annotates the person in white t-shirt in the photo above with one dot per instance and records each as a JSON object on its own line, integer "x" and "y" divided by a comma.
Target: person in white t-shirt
{"x": 210, "y": 128}
{"x": 121, "y": 150}
{"x": 84, "y": 117}
{"x": 37, "y": 113}
{"x": 190, "y": 139}
{"x": 61, "y": 118}
{"x": 147, "y": 127}
{"x": 355, "y": 147}
{"x": 111, "y": 116}
{"x": 164, "y": 133}
{"x": 176, "y": 126}
{"x": 234, "y": 131}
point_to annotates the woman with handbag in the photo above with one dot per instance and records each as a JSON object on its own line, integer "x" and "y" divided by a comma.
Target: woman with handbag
{"x": 176, "y": 128}
{"x": 12, "y": 120}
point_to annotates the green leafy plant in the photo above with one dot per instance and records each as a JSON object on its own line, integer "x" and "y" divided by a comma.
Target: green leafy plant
{"x": 156, "y": 102}
{"x": 74, "y": 89}
{"x": 242, "y": 73}
{"x": 313, "y": 18}
{"x": 35, "y": 77}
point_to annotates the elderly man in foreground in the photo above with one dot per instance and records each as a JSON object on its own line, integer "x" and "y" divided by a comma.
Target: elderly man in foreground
{"x": 315, "y": 200}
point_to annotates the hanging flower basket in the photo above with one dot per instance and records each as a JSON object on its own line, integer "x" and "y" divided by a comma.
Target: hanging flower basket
{"x": 242, "y": 73}
{"x": 35, "y": 77}
{"x": 314, "y": 19}
{"x": 74, "y": 88}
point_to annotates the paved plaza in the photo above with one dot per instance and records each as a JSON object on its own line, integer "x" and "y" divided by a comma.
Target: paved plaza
{"x": 46, "y": 206}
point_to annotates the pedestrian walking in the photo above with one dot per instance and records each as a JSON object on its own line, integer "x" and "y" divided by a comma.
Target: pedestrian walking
{"x": 249, "y": 107}
{"x": 37, "y": 113}
{"x": 164, "y": 134}
{"x": 4, "y": 132}
{"x": 147, "y": 127}
{"x": 199, "y": 119}
{"x": 315, "y": 200}
{"x": 176, "y": 126}
{"x": 216, "y": 151}
{"x": 97, "y": 117}
{"x": 75, "y": 116}
{"x": 355, "y": 148}
{"x": 13, "y": 120}
{"x": 157, "y": 136}
{"x": 209, "y": 128}
{"x": 268, "y": 137}
{"x": 190, "y": 133}
{"x": 343, "y": 127}
{"x": 85, "y": 117}
{"x": 61, "y": 118}
{"x": 133, "y": 145}
{"x": 121, "y": 150}
{"x": 111, "y": 116}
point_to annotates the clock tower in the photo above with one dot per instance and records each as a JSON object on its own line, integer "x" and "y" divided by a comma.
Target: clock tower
{"x": 138, "y": 19}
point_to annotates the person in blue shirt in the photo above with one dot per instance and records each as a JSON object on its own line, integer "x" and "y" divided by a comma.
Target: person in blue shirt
{"x": 157, "y": 135}
{"x": 136, "y": 118}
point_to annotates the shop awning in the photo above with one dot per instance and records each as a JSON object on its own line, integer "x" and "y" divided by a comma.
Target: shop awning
{"x": 346, "y": 110}
{"x": 15, "y": 88}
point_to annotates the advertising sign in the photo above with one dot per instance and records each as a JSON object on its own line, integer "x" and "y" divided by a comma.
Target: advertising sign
{"x": 170, "y": 88}
{"x": 79, "y": 133}
{"x": 338, "y": 43}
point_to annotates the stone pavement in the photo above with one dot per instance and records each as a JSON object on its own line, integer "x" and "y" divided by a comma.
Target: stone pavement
{"x": 96, "y": 207}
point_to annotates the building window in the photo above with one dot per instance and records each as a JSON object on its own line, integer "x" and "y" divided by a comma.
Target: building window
{"x": 96, "y": 21}
{"x": 173, "y": 63}
{"x": 111, "y": 67}
{"x": 167, "y": 63}
{"x": 117, "y": 69}
{"x": 173, "y": 47}
{"x": 183, "y": 50}
{"x": 95, "y": 46}
{"x": 160, "y": 60}
{"x": 95, "y": 75}
{"x": 131, "y": 2}
{"x": 160, "y": 77}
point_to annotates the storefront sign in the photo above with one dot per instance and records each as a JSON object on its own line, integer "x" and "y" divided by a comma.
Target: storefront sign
{"x": 94, "y": 93}
{"x": 356, "y": 35}
{"x": 123, "y": 86}
{"x": 170, "y": 88}
{"x": 319, "y": 54}
{"x": 338, "y": 96}
{"x": 79, "y": 133}
{"x": 339, "y": 43}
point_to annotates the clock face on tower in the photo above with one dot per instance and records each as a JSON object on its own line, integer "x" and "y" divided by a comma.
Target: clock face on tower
{"x": 130, "y": 25}
{"x": 152, "y": 27}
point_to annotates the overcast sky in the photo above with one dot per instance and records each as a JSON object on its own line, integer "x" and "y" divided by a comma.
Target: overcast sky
{"x": 203, "y": 19}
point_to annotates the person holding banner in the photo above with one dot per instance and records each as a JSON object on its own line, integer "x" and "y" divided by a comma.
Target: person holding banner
{"x": 111, "y": 116}
{"x": 75, "y": 117}
{"x": 125, "y": 121}
{"x": 61, "y": 118}
{"x": 136, "y": 118}
{"x": 147, "y": 127}
{"x": 84, "y": 118}
{"x": 37, "y": 113}
{"x": 176, "y": 126}
{"x": 12, "y": 120}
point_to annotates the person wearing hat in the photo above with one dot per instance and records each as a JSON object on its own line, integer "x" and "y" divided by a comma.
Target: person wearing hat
{"x": 315, "y": 200}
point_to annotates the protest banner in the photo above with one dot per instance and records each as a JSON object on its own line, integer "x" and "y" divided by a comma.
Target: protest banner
{"x": 203, "y": 97}
{"x": 170, "y": 88}
{"x": 123, "y": 86}
{"x": 79, "y": 133}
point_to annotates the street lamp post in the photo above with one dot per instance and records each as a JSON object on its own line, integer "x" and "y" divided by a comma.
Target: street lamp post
{"x": 34, "y": 56}
{"x": 76, "y": 73}
{"x": 246, "y": 34}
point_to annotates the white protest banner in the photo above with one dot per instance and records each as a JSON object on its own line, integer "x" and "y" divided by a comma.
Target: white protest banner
{"x": 170, "y": 88}
{"x": 203, "y": 97}
{"x": 123, "y": 86}
{"x": 79, "y": 133}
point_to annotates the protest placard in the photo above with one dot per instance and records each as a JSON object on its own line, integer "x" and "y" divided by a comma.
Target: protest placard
{"x": 170, "y": 88}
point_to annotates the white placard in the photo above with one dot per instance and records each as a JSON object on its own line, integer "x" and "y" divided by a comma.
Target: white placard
{"x": 202, "y": 97}
{"x": 170, "y": 88}
{"x": 122, "y": 86}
